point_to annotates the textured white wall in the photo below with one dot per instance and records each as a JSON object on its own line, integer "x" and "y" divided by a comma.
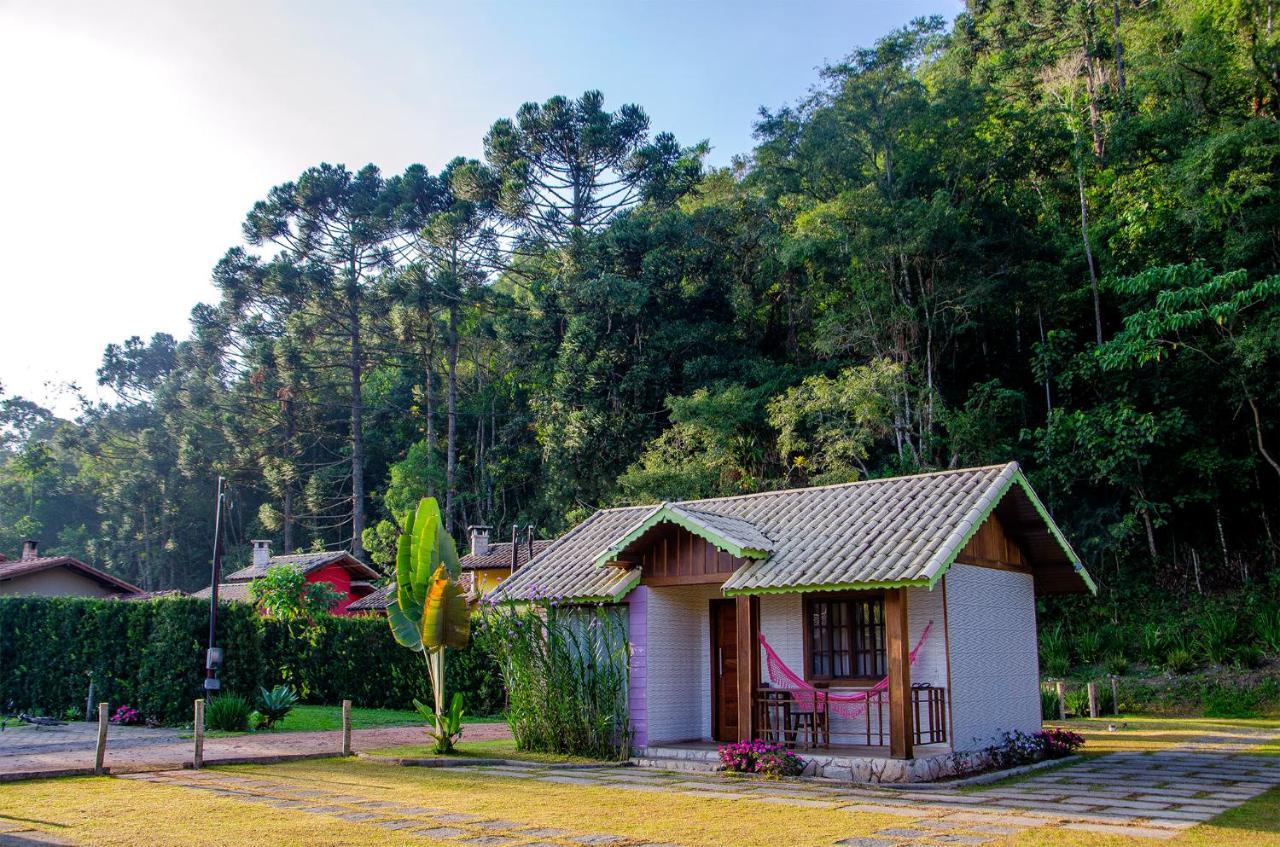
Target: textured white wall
{"x": 995, "y": 674}
{"x": 678, "y": 687}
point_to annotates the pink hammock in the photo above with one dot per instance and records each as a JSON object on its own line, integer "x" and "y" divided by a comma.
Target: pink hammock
{"x": 846, "y": 705}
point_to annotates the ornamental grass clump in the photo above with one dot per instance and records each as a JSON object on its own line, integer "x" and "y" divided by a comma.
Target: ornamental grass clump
{"x": 566, "y": 670}
{"x": 769, "y": 760}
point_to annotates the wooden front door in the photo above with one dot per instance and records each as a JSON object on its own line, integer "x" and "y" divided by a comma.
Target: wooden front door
{"x": 724, "y": 671}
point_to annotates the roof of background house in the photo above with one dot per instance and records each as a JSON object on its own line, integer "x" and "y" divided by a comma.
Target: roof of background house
{"x": 876, "y": 533}
{"x": 163, "y": 594}
{"x": 14, "y": 568}
{"x": 379, "y": 599}
{"x": 308, "y": 562}
{"x": 499, "y": 555}
{"x": 236, "y": 592}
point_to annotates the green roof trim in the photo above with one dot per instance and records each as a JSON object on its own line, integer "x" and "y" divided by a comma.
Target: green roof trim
{"x": 667, "y": 513}
{"x": 1020, "y": 479}
{"x": 837, "y": 586}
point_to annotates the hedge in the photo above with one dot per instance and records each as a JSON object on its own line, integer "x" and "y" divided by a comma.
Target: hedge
{"x": 150, "y": 654}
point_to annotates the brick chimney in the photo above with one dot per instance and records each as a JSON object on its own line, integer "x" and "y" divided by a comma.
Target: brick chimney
{"x": 30, "y": 549}
{"x": 479, "y": 539}
{"x": 261, "y": 553}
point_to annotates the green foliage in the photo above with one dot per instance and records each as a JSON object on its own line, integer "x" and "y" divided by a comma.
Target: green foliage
{"x": 150, "y": 655}
{"x": 447, "y": 726}
{"x": 1239, "y": 701}
{"x": 1088, "y": 644}
{"x": 1049, "y": 703}
{"x": 1217, "y": 633}
{"x": 1116, "y": 664}
{"x": 1064, "y": 264}
{"x": 1266, "y": 624}
{"x": 275, "y": 705}
{"x": 567, "y": 673}
{"x": 228, "y": 713}
{"x": 1055, "y": 659}
{"x": 284, "y": 593}
{"x": 428, "y": 612}
{"x": 1179, "y": 660}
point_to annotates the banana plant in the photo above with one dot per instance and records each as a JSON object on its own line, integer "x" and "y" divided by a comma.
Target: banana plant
{"x": 428, "y": 612}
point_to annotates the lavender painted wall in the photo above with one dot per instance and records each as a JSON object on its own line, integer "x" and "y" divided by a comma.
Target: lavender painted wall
{"x": 638, "y": 634}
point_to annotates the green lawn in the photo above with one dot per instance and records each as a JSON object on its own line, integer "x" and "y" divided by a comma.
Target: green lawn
{"x": 112, "y": 812}
{"x": 329, "y": 718}
{"x": 503, "y": 748}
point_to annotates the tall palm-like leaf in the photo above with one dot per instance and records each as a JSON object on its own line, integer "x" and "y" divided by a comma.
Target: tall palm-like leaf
{"x": 429, "y": 612}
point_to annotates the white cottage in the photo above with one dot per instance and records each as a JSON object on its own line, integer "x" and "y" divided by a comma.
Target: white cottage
{"x": 880, "y": 627}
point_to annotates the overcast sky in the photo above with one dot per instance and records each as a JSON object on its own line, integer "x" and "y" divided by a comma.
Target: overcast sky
{"x": 136, "y": 135}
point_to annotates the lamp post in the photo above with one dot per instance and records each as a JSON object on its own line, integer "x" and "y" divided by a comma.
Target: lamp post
{"x": 213, "y": 658}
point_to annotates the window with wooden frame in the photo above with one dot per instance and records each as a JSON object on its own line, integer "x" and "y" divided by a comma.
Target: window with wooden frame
{"x": 844, "y": 637}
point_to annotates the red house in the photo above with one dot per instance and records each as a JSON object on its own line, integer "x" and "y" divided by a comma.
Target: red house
{"x": 349, "y": 576}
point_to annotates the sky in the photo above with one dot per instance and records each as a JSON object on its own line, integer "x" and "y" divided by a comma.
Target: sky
{"x": 137, "y": 134}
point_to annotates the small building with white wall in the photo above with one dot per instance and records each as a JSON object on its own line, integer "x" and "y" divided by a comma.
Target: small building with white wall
{"x": 887, "y": 627}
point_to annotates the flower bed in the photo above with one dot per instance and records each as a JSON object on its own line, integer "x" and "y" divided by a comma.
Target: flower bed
{"x": 758, "y": 757}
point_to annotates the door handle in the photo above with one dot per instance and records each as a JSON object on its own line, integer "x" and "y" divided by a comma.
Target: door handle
{"x": 720, "y": 661}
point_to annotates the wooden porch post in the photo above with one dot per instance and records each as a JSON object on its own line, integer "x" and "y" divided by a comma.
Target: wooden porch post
{"x": 747, "y": 611}
{"x": 898, "y": 654}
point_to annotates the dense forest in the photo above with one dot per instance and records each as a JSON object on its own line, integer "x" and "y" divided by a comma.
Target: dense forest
{"x": 1046, "y": 231}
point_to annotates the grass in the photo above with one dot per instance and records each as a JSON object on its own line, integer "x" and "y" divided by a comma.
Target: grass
{"x": 329, "y": 718}
{"x": 503, "y": 748}
{"x": 116, "y": 812}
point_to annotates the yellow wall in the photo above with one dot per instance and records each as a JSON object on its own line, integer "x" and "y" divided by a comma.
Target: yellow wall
{"x": 487, "y": 579}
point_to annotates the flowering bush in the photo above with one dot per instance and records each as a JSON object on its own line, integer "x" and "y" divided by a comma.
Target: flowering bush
{"x": 1019, "y": 748}
{"x": 126, "y": 715}
{"x": 1058, "y": 743}
{"x": 768, "y": 760}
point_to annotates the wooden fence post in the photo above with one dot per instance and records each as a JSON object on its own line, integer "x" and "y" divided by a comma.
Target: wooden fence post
{"x": 1093, "y": 698}
{"x": 100, "y": 754}
{"x": 1115, "y": 696}
{"x": 197, "y": 761}
{"x": 1062, "y": 700}
{"x": 346, "y": 727}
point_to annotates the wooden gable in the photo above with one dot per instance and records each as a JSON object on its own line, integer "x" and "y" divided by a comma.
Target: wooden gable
{"x": 671, "y": 555}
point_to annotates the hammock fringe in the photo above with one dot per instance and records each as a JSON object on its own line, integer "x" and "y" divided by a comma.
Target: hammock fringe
{"x": 811, "y": 699}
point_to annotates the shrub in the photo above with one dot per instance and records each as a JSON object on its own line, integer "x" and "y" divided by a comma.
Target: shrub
{"x": 1246, "y": 657}
{"x": 275, "y": 705}
{"x": 1152, "y": 644}
{"x": 1088, "y": 643}
{"x": 1078, "y": 701}
{"x": 1238, "y": 701}
{"x": 1058, "y": 743}
{"x": 228, "y": 713}
{"x": 1116, "y": 664}
{"x": 1266, "y": 625}
{"x": 567, "y": 674}
{"x": 1217, "y": 631}
{"x": 126, "y": 715}
{"x": 759, "y": 757}
{"x": 1018, "y": 748}
{"x": 1179, "y": 661}
{"x": 1054, "y": 656}
{"x": 162, "y": 670}
{"x": 1049, "y": 702}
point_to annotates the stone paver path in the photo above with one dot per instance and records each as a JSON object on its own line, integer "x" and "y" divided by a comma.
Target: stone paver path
{"x": 131, "y": 748}
{"x": 1141, "y": 795}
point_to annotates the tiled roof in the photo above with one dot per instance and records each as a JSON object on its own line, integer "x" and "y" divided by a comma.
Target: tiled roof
{"x": 308, "y": 562}
{"x": 378, "y": 600}
{"x": 499, "y": 555}
{"x": 901, "y": 531}
{"x": 11, "y": 569}
{"x": 236, "y": 592}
